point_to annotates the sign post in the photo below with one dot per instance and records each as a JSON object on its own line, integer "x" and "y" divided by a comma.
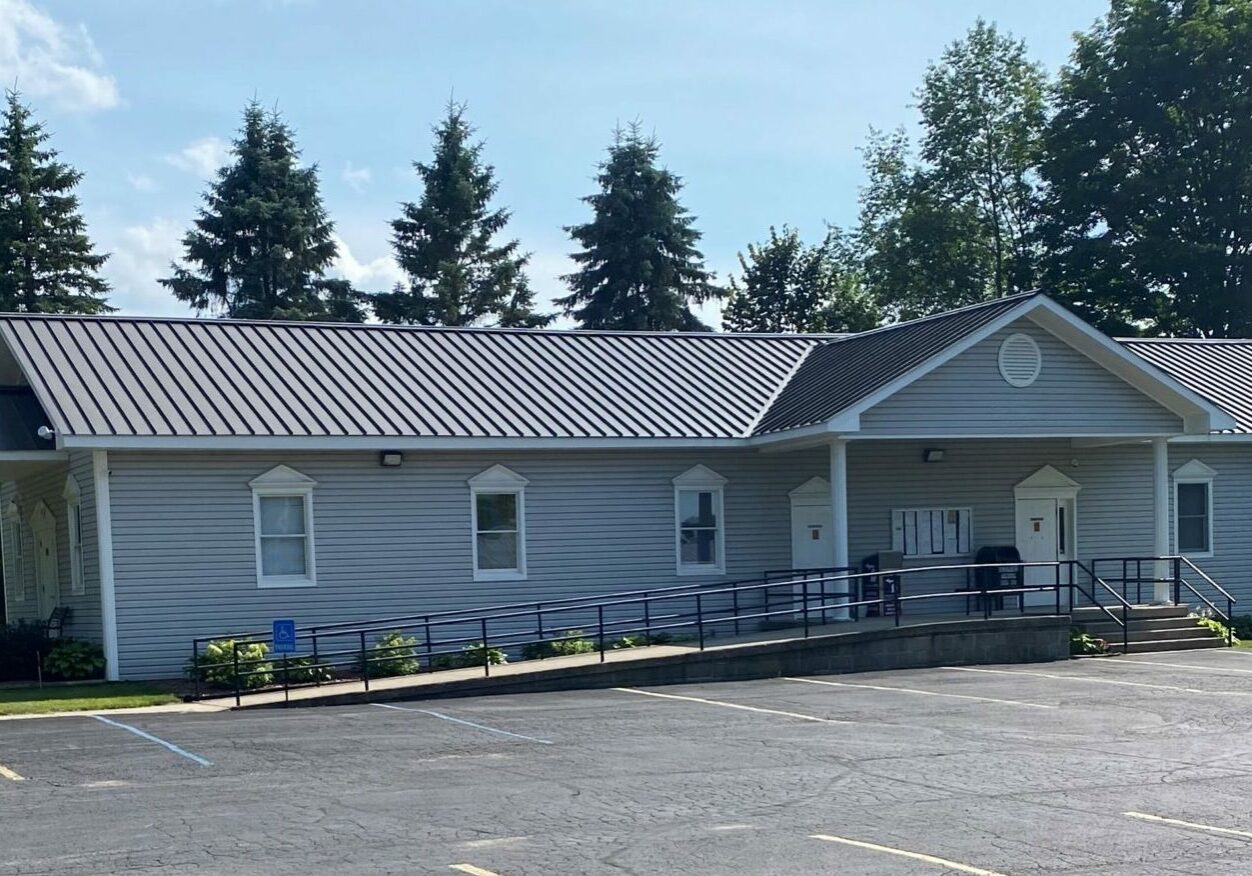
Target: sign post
{"x": 285, "y": 644}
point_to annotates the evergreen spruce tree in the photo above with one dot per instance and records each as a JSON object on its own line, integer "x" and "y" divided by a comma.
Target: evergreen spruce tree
{"x": 445, "y": 243}
{"x": 639, "y": 267}
{"x": 788, "y": 286}
{"x": 47, "y": 262}
{"x": 262, "y": 242}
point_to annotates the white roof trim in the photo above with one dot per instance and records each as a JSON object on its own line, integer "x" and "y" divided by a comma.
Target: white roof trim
{"x": 498, "y": 476}
{"x": 282, "y": 476}
{"x": 700, "y": 476}
{"x": 1194, "y": 470}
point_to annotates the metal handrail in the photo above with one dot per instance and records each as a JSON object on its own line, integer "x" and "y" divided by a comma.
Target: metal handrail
{"x": 1124, "y": 620}
{"x": 1208, "y": 580}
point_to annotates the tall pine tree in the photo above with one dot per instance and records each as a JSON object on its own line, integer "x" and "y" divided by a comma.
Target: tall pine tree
{"x": 639, "y": 267}
{"x": 262, "y": 242}
{"x": 445, "y": 243}
{"x": 47, "y": 262}
{"x": 788, "y": 286}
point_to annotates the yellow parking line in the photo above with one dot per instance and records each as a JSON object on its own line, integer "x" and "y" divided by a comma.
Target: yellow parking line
{"x": 649, "y": 693}
{"x": 913, "y": 690}
{"x": 904, "y": 853}
{"x": 1157, "y": 819}
{"x": 10, "y": 775}
{"x": 472, "y": 870}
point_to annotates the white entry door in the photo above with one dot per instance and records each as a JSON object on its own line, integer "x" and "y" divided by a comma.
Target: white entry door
{"x": 47, "y": 583}
{"x": 1038, "y": 541}
{"x": 812, "y": 546}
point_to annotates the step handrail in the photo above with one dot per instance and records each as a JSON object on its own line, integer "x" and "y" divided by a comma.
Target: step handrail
{"x": 1124, "y": 621}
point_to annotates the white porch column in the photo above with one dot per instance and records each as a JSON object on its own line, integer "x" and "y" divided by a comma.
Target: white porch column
{"x": 839, "y": 507}
{"x": 1160, "y": 514}
{"x": 104, "y": 543}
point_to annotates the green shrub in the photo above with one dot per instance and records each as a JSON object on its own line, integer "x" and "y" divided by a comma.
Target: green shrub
{"x": 472, "y": 654}
{"x": 1082, "y": 643}
{"x": 393, "y": 654}
{"x": 216, "y": 664}
{"x": 303, "y": 670}
{"x": 71, "y": 660}
{"x": 573, "y": 642}
{"x": 1219, "y": 628}
{"x": 23, "y": 646}
{"x": 640, "y": 640}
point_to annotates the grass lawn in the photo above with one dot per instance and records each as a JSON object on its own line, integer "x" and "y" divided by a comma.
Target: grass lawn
{"x": 81, "y": 697}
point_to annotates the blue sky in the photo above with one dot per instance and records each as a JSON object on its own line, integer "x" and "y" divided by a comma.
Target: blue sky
{"x": 759, "y": 106}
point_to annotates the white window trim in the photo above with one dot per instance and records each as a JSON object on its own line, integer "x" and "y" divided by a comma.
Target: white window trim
{"x": 15, "y": 554}
{"x": 494, "y": 481}
{"x": 967, "y": 510}
{"x": 74, "y": 523}
{"x": 1195, "y": 472}
{"x": 285, "y": 481}
{"x": 701, "y": 479}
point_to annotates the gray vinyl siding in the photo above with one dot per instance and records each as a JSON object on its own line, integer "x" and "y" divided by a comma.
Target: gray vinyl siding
{"x": 1114, "y": 503}
{"x": 397, "y": 541}
{"x": 967, "y": 396}
{"x": 48, "y": 486}
{"x": 1231, "y": 563}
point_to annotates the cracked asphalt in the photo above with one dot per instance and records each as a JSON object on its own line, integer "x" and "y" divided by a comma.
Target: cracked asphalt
{"x": 1002, "y": 770}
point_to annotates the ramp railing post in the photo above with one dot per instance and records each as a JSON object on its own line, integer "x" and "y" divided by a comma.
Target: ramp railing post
{"x": 317, "y": 669}
{"x": 1177, "y": 564}
{"x": 700, "y": 620}
{"x": 539, "y": 619}
{"x": 600, "y": 613}
{"x": 486, "y": 651}
{"x": 195, "y": 666}
{"x": 286, "y": 683}
{"x": 365, "y": 663}
{"x": 234, "y": 646}
{"x": 1057, "y": 569}
{"x": 804, "y": 594}
{"x": 430, "y": 659}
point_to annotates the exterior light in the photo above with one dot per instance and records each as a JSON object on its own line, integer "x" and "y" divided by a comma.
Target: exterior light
{"x": 933, "y": 454}
{"x": 390, "y": 458}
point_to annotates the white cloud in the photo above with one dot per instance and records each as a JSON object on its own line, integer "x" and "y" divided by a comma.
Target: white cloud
{"x": 50, "y": 62}
{"x": 202, "y": 157}
{"x": 141, "y": 182}
{"x": 140, "y": 254}
{"x": 356, "y": 177}
{"x": 376, "y": 275}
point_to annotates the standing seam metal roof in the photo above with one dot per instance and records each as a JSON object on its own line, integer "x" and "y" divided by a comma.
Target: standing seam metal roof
{"x": 119, "y": 376}
{"x": 1219, "y": 370}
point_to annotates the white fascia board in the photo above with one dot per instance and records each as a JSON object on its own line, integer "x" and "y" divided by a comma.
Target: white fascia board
{"x": 1199, "y": 415}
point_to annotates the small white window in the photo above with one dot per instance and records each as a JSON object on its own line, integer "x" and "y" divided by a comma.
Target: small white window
{"x": 932, "y": 532}
{"x": 282, "y": 507}
{"x": 15, "y": 552}
{"x": 1193, "y": 509}
{"x": 498, "y": 512}
{"x": 699, "y": 530}
{"x": 74, "y": 519}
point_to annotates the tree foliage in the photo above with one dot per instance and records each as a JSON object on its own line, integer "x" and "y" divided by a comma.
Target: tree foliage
{"x": 262, "y": 243}
{"x": 445, "y": 243}
{"x": 788, "y": 286}
{"x": 639, "y": 267}
{"x": 958, "y": 225}
{"x": 47, "y": 261}
{"x": 1149, "y": 167}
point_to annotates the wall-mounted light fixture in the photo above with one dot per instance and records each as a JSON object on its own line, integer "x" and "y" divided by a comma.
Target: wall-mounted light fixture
{"x": 933, "y": 454}
{"x": 390, "y": 458}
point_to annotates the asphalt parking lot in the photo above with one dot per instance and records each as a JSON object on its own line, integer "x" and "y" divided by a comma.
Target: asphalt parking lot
{"x": 1116, "y": 766}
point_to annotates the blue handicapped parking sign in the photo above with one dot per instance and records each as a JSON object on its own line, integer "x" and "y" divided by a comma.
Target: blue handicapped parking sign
{"x": 284, "y": 636}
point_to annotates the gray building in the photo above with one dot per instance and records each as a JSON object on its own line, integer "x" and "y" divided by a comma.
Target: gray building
{"x": 175, "y": 478}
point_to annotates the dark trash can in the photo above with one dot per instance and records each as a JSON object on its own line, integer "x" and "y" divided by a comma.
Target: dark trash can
{"x": 995, "y": 577}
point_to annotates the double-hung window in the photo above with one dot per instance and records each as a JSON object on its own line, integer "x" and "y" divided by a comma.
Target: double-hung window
{"x": 498, "y": 514}
{"x": 699, "y": 528}
{"x": 1193, "y": 509}
{"x": 283, "y": 517}
{"x": 74, "y": 519}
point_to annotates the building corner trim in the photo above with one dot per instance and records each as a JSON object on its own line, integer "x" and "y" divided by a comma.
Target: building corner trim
{"x": 104, "y": 541}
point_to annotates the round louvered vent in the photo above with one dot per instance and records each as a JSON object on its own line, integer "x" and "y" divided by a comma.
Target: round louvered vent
{"x": 1020, "y": 360}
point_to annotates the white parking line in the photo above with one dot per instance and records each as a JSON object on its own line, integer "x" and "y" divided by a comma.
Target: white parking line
{"x": 1120, "y": 660}
{"x": 469, "y": 868}
{"x": 925, "y": 693}
{"x": 482, "y": 727}
{"x": 1193, "y": 690}
{"x": 904, "y": 853}
{"x": 725, "y": 705}
{"x": 10, "y": 775}
{"x": 158, "y": 740}
{"x": 1157, "y": 819}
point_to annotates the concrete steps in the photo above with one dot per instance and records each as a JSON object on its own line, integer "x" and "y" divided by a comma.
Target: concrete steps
{"x": 1149, "y": 628}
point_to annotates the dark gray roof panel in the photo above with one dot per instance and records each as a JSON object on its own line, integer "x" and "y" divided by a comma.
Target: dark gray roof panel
{"x": 117, "y": 376}
{"x": 840, "y": 373}
{"x": 1219, "y": 370}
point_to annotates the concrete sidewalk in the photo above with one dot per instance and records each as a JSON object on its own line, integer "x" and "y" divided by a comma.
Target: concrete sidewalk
{"x": 867, "y": 645}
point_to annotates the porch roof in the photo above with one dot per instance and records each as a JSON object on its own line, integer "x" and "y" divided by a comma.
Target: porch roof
{"x": 1220, "y": 370}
